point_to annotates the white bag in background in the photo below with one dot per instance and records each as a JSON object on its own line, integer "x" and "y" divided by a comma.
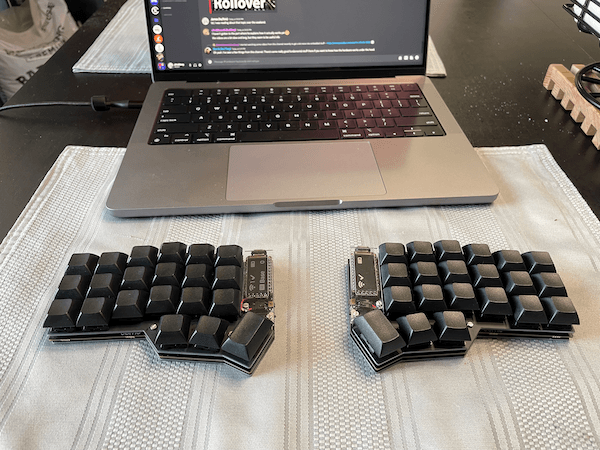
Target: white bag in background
{"x": 29, "y": 35}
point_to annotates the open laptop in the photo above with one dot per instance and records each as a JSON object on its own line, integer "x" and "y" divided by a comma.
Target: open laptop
{"x": 328, "y": 65}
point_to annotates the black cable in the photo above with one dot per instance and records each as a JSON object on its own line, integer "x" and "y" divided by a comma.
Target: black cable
{"x": 97, "y": 102}
{"x": 30, "y": 105}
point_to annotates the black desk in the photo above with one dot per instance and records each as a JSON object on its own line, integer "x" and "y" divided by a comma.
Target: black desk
{"x": 496, "y": 54}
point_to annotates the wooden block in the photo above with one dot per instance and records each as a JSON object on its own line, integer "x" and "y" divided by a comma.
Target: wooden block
{"x": 561, "y": 82}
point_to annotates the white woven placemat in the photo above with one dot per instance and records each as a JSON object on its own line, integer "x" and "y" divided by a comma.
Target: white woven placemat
{"x": 313, "y": 389}
{"x": 122, "y": 47}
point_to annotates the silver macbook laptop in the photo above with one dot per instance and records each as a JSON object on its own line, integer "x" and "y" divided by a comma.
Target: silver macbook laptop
{"x": 278, "y": 105}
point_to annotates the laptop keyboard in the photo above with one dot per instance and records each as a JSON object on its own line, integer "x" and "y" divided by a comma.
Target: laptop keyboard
{"x": 193, "y": 303}
{"x": 423, "y": 300}
{"x": 295, "y": 113}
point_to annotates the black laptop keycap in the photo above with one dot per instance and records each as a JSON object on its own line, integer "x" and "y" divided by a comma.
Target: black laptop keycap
{"x": 192, "y": 303}
{"x": 292, "y": 114}
{"x": 453, "y": 294}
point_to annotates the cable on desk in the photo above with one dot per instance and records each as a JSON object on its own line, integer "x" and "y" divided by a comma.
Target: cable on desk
{"x": 97, "y": 102}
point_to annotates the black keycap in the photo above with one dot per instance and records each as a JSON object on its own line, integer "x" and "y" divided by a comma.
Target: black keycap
{"x": 288, "y": 135}
{"x": 73, "y": 286}
{"x": 112, "y": 262}
{"x": 537, "y": 262}
{"x": 429, "y": 298}
{"x": 96, "y": 312}
{"x": 198, "y": 275}
{"x": 201, "y": 254}
{"x": 420, "y": 251}
{"x": 478, "y": 254}
{"x": 451, "y": 327}
{"x": 248, "y": 336}
{"x": 229, "y": 255}
{"x": 82, "y": 264}
{"x": 518, "y": 283}
{"x": 172, "y": 252}
{"x": 391, "y": 252}
{"x": 227, "y": 277}
{"x": 143, "y": 255}
{"x": 453, "y": 271}
{"x": 549, "y": 284}
{"x": 130, "y": 306}
{"x": 528, "y": 310}
{"x": 424, "y": 272}
{"x": 448, "y": 250}
{"x": 63, "y": 313}
{"x": 560, "y": 311}
{"x": 209, "y": 333}
{"x": 104, "y": 285}
{"x": 226, "y": 303}
{"x": 398, "y": 301}
{"x": 163, "y": 300}
{"x": 168, "y": 273}
{"x": 394, "y": 274}
{"x": 493, "y": 301}
{"x": 485, "y": 275}
{"x": 461, "y": 296}
{"x": 415, "y": 329}
{"x": 173, "y": 331}
{"x": 137, "y": 278}
{"x": 195, "y": 301}
{"x": 508, "y": 260}
{"x": 377, "y": 331}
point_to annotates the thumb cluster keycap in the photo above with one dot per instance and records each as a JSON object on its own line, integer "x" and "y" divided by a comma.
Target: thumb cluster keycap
{"x": 424, "y": 300}
{"x": 197, "y": 302}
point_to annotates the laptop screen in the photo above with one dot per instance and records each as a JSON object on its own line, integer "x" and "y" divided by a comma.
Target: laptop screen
{"x": 203, "y": 36}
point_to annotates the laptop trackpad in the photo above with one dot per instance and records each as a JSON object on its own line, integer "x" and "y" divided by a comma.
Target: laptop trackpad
{"x": 303, "y": 170}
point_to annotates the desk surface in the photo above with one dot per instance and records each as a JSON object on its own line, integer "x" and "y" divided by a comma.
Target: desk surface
{"x": 496, "y": 54}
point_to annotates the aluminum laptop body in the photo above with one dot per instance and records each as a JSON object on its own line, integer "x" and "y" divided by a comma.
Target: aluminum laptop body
{"x": 196, "y": 45}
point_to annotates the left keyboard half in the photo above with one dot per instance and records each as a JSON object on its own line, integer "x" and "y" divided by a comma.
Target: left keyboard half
{"x": 194, "y": 302}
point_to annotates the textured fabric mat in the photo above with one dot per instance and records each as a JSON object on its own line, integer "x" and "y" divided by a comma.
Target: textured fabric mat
{"x": 313, "y": 389}
{"x": 122, "y": 46}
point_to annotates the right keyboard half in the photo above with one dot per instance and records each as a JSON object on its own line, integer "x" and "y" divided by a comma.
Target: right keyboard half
{"x": 424, "y": 300}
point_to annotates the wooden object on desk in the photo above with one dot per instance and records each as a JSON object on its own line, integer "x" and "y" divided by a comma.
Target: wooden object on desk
{"x": 561, "y": 82}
